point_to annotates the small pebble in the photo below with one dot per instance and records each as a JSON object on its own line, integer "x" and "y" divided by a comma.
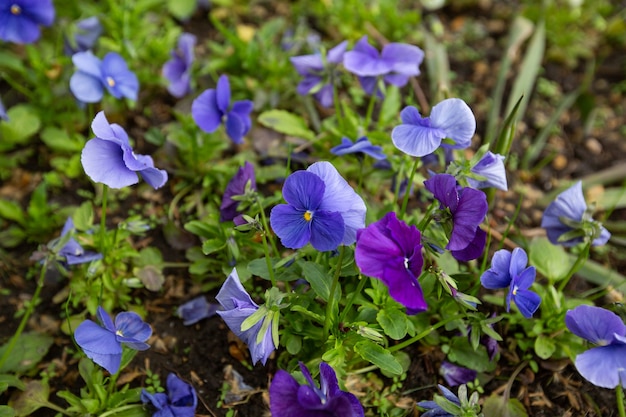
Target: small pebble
{"x": 559, "y": 163}
{"x": 594, "y": 146}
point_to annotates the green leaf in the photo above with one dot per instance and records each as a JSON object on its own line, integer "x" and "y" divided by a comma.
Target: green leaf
{"x": 544, "y": 347}
{"x": 391, "y": 106}
{"x": 550, "y": 260}
{"x": 28, "y": 351}
{"x": 462, "y": 353}
{"x": 394, "y": 322}
{"x": 6, "y": 411}
{"x": 499, "y": 406}
{"x": 12, "y": 236}
{"x": 285, "y": 122}
{"x": 60, "y": 141}
{"x": 83, "y": 216}
{"x": 181, "y": 9}
{"x": 7, "y": 380}
{"x": 212, "y": 245}
{"x": 11, "y": 210}
{"x": 318, "y": 278}
{"x": 23, "y": 123}
{"x": 34, "y": 396}
{"x": 379, "y": 356}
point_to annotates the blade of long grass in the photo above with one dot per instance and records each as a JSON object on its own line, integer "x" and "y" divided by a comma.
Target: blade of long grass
{"x": 438, "y": 67}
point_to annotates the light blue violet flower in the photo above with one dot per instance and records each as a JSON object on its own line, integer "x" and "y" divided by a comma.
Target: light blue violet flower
{"x": 491, "y": 169}
{"x": 103, "y": 343}
{"x": 181, "y": 399}
{"x": 20, "y": 19}
{"x": 419, "y": 136}
{"x": 361, "y": 146}
{"x": 288, "y": 398}
{"x": 72, "y": 251}
{"x": 108, "y": 158}
{"x": 85, "y": 36}
{"x": 213, "y": 107}
{"x": 178, "y": 69}
{"x": 568, "y": 222}
{"x": 434, "y": 409}
{"x": 604, "y": 365}
{"x": 321, "y": 208}
{"x": 195, "y": 310}
{"x": 508, "y": 269}
{"x": 93, "y": 76}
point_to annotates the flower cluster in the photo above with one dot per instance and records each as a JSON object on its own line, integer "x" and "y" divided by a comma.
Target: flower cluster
{"x": 93, "y": 76}
{"x": 181, "y": 399}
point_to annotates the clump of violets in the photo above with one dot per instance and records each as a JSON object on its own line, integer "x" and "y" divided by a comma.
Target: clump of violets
{"x": 93, "y": 76}
{"x": 240, "y": 184}
{"x": 450, "y": 405}
{"x": 391, "y": 251}
{"x": 181, "y": 399}
{"x": 489, "y": 172}
{"x": 568, "y": 222}
{"x": 455, "y": 374}
{"x": 319, "y": 72}
{"x": 321, "y": 209}
{"x": 605, "y": 364}
{"x": 433, "y": 409}
{"x": 213, "y": 107}
{"x": 395, "y": 64}
{"x": 20, "y": 19}
{"x": 72, "y": 252}
{"x": 420, "y": 136}
{"x": 103, "y": 343}
{"x": 508, "y": 269}
{"x": 108, "y": 158}
{"x": 238, "y": 307}
{"x": 195, "y": 310}
{"x": 463, "y": 208}
{"x": 361, "y": 147}
{"x": 85, "y": 36}
{"x": 177, "y": 70}
{"x": 288, "y": 398}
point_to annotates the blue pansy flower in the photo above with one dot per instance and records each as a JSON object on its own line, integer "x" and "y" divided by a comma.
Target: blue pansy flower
{"x": 361, "y": 146}
{"x": 491, "y": 168}
{"x": 321, "y": 208}
{"x": 93, "y": 76}
{"x": 20, "y": 19}
{"x": 434, "y": 409}
{"x": 72, "y": 251}
{"x": 85, "y": 36}
{"x": 181, "y": 399}
{"x": 236, "y": 187}
{"x": 455, "y": 374}
{"x": 195, "y": 310}
{"x": 178, "y": 69}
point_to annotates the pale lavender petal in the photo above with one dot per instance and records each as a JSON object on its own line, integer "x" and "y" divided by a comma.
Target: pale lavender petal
{"x": 222, "y": 97}
{"x": 454, "y": 117}
{"x": 307, "y": 64}
{"x": 603, "y": 366}
{"x": 335, "y": 54}
{"x": 103, "y": 162}
{"x": 86, "y": 88}
{"x": 205, "y": 112}
{"x": 405, "y": 59}
{"x": 88, "y": 63}
{"x": 233, "y": 290}
{"x": 595, "y": 324}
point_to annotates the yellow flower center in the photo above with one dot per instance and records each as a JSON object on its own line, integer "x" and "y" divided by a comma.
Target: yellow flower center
{"x": 308, "y": 216}
{"x": 119, "y": 333}
{"x": 16, "y": 10}
{"x": 110, "y": 81}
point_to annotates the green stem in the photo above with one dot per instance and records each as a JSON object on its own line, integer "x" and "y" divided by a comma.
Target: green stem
{"x": 266, "y": 228}
{"x": 56, "y": 408}
{"x": 338, "y": 114}
{"x": 268, "y": 260}
{"x": 370, "y": 110}
{"x": 582, "y": 258}
{"x": 350, "y": 301}
{"x": 333, "y": 288}
{"x": 409, "y": 185}
{"x": 120, "y": 409}
{"x": 26, "y": 316}
{"x": 423, "y": 334}
{"x": 619, "y": 396}
{"x": 103, "y": 220}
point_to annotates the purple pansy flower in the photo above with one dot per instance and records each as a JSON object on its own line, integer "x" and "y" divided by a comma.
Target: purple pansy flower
{"x": 491, "y": 167}
{"x": 108, "y": 158}
{"x": 195, "y": 310}
{"x": 420, "y": 136}
{"x": 391, "y": 251}
{"x": 213, "y": 107}
{"x": 288, "y": 398}
{"x": 236, "y": 186}
{"x": 178, "y": 69}
{"x": 362, "y": 145}
{"x": 434, "y": 409}
{"x": 568, "y": 223}
{"x": 20, "y": 19}
{"x": 319, "y": 73}
{"x": 72, "y": 251}
{"x": 238, "y": 306}
{"x": 396, "y": 63}
{"x": 180, "y": 401}
{"x": 509, "y": 270}
{"x": 85, "y": 37}
{"x": 605, "y": 364}
{"x": 93, "y": 76}
{"x": 455, "y": 374}
{"x": 321, "y": 208}
{"x": 467, "y": 208}
{"x": 103, "y": 344}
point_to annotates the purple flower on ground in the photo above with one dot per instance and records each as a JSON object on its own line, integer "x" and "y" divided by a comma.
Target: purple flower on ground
{"x": 391, "y": 251}
{"x": 509, "y": 270}
{"x": 93, "y": 76}
{"x": 236, "y": 187}
{"x": 434, "y": 409}
{"x": 3, "y": 111}
{"x": 213, "y": 107}
{"x": 362, "y": 145}
{"x": 455, "y": 374}
{"x": 103, "y": 344}
{"x": 288, "y": 398}
{"x": 85, "y": 37}
{"x": 178, "y": 69}
{"x": 238, "y": 306}
{"x": 420, "y": 136}
{"x": 605, "y": 364}
{"x": 491, "y": 167}
{"x": 568, "y": 223}
{"x": 72, "y": 251}
{"x": 319, "y": 73}
{"x": 195, "y": 310}
{"x": 20, "y": 19}
{"x": 466, "y": 208}
{"x": 321, "y": 208}
{"x": 396, "y": 63}
{"x": 108, "y": 158}
{"x": 180, "y": 401}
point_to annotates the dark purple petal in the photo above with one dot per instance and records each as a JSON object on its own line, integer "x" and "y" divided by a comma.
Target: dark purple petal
{"x": 205, "y": 111}
{"x": 304, "y": 190}
{"x": 236, "y": 186}
{"x": 454, "y": 117}
{"x": 100, "y": 345}
{"x": 404, "y": 59}
{"x": 159, "y": 400}
{"x": 470, "y": 212}
{"x": 290, "y": 226}
{"x": 456, "y": 375}
{"x": 222, "y": 97}
{"x": 327, "y": 230}
{"x": 235, "y": 127}
{"x": 595, "y": 324}
{"x": 86, "y": 88}
{"x": 603, "y": 366}
{"x": 284, "y": 395}
{"x": 474, "y": 249}
{"x": 103, "y": 162}
{"x": 443, "y": 187}
{"x": 180, "y": 393}
{"x": 243, "y": 108}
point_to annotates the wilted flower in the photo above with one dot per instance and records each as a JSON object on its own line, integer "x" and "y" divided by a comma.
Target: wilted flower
{"x": 318, "y": 73}
{"x": 180, "y": 401}
{"x": 288, "y": 398}
{"x": 361, "y": 146}
{"x": 108, "y": 158}
{"x": 605, "y": 364}
{"x": 420, "y": 136}
{"x": 20, "y": 19}
{"x": 321, "y": 208}
{"x": 568, "y": 223}
{"x": 195, "y": 310}
{"x": 72, "y": 251}
{"x": 391, "y": 251}
{"x": 85, "y": 37}
{"x": 238, "y": 306}
{"x": 178, "y": 69}
{"x": 103, "y": 344}
{"x": 466, "y": 208}
{"x": 93, "y": 76}
{"x": 236, "y": 187}
{"x": 396, "y": 63}
{"x": 509, "y": 270}
{"x": 213, "y": 107}
{"x": 491, "y": 167}
{"x": 455, "y": 374}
